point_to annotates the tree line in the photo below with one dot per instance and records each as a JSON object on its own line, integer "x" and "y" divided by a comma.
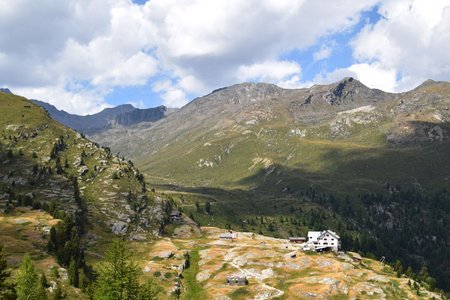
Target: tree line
{"x": 117, "y": 277}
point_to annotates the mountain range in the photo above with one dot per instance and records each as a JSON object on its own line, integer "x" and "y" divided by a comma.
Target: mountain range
{"x": 122, "y": 115}
{"x": 371, "y": 165}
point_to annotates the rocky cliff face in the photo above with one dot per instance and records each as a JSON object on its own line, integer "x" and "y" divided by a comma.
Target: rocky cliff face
{"x": 122, "y": 115}
{"x": 137, "y": 116}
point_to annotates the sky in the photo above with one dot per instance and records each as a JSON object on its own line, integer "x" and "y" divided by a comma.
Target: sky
{"x": 85, "y": 55}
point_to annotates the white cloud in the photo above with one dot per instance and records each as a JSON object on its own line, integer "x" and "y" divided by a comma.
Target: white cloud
{"x": 216, "y": 42}
{"x": 293, "y": 82}
{"x": 200, "y": 45}
{"x": 412, "y": 39}
{"x": 269, "y": 71}
{"x": 171, "y": 95}
{"x": 372, "y": 75}
{"x": 174, "y": 98}
{"x": 133, "y": 71}
{"x": 80, "y": 100}
{"x": 46, "y": 47}
{"x": 323, "y": 53}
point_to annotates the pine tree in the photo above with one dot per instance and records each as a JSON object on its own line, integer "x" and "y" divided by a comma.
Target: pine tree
{"x": 400, "y": 271}
{"x": 4, "y": 274}
{"x": 83, "y": 280}
{"x": 43, "y": 280}
{"x": 118, "y": 275}
{"x": 73, "y": 273}
{"x": 40, "y": 291}
{"x": 28, "y": 287}
{"x": 208, "y": 208}
{"x": 6, "y": 289}
{"x": 409, "y": 272}
{"x": 149, "y": 290}
{"x": 58, "y": 166}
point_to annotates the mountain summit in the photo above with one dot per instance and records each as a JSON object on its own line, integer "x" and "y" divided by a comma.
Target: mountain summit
{"x": 5, "y": 90}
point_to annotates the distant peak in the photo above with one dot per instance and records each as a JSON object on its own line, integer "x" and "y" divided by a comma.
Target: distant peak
{"x": 249, "y": 87}
{"x": 428, "y": 82}
{"x": 5, "y": 90}
{"x": 348, "y": 80}
{"x": 127, "y": 105}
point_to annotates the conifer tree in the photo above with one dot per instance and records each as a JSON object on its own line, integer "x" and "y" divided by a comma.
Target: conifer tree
{"x": 43, "y": 280}
{"x": 149, "y": 290}
{"x": 409, "y": 272}
{"x": 83, "y": 280}
{"x": 73, "y": 273}
{"x": 28, "y": 286}
{"x": 118, "y": 275}
{"x": 6, "y": 289}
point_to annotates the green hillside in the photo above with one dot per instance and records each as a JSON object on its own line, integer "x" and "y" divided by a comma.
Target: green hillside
{"x": 63, "y": 198}
{"x": 44, "y": 162}
{"x": 334, "y": 156}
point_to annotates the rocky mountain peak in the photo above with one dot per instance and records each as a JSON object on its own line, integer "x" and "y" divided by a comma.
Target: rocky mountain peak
{"x": 430, "y": 85}
{"x": 349, "y": 90}
{"x": 249, "y": 87}
{"x": 248, "y": 90}
{"x": 5, "y": 90}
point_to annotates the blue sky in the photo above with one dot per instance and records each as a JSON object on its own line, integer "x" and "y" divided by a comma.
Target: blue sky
{"x": 86, "y": 55}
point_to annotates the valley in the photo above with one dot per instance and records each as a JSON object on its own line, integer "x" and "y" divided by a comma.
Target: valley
{"x": 253, "y": 158}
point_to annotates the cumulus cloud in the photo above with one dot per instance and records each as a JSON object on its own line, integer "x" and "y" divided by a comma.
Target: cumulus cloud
{"x": 73, "y": 51}
{"x": 77, "y": 100}
{"x": 323, "y": 53}
{"x": 270, "y": 71}
{"x": 49, "y": 47}
{"x": 172, "y": 96}
{"x": 372, "y": 75}
{"x": 411, "y": 40}
{"x": 216, "y": 43}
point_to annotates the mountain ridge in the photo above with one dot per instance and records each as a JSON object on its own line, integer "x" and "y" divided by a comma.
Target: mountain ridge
{"x": 121, "y": 115}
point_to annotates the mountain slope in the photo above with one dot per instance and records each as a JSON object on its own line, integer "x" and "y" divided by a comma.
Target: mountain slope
{"x": 44, "y": 163}
{"x": 344, "y": 156}
{"x": 339, "y": 137}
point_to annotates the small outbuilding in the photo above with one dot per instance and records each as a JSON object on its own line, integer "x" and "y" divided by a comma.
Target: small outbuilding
{"x": 237, "y": 280}
{"x": 228, "y": 235}
{"x": 297, "y": 240}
